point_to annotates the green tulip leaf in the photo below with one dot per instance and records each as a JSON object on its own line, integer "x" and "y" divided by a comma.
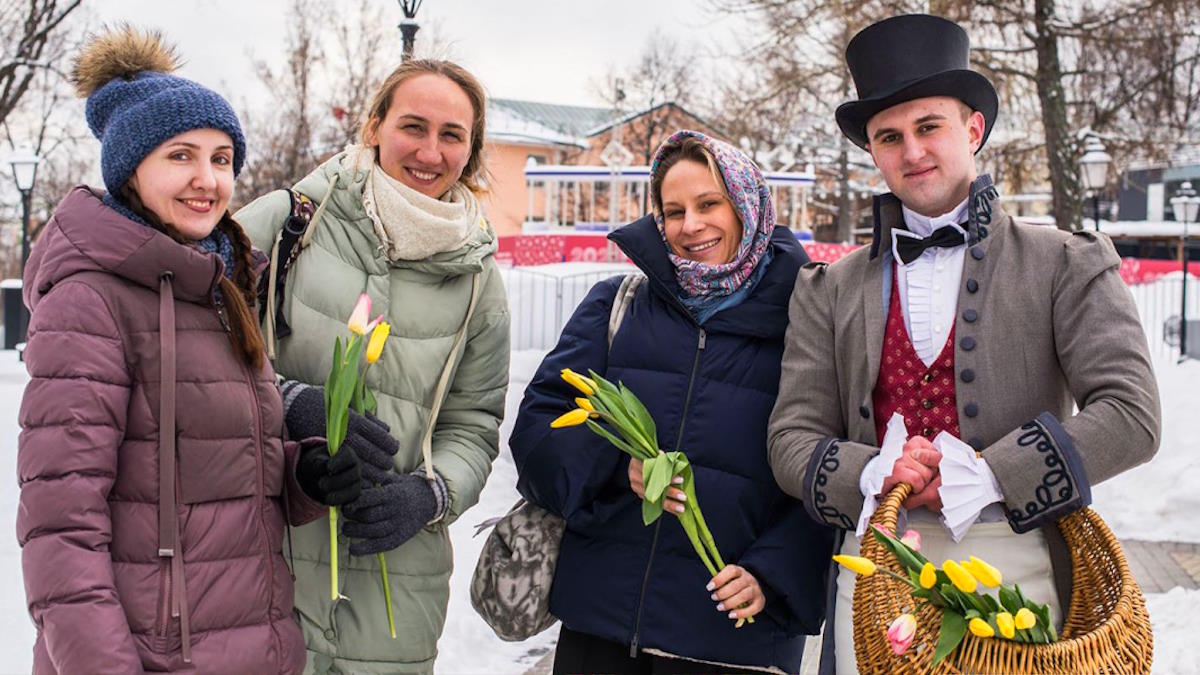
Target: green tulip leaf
{"x": 954, "y": 627}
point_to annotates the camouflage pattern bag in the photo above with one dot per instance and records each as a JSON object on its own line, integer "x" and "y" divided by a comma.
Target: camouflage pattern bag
{"x": 511, "y": 585}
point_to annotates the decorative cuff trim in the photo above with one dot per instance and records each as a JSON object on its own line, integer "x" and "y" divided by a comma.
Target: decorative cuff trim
{"x": 1064, "y": 486}
{"x": 441, "y": 494}
{"x": 821, "y": 465}
{"x": 291, "y": 389}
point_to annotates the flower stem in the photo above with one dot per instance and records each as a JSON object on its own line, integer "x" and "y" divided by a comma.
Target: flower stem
{"x": 387, "y": 593}
{"x": 333, "y": 553}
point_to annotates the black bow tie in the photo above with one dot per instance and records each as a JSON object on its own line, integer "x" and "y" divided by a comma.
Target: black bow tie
{"x": 911, "y": 248}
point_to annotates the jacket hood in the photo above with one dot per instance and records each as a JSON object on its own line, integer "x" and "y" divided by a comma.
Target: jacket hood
{"x": 346, "y": 205}
{"x": 85, "y": 235}
{"x": 763, "y": 314}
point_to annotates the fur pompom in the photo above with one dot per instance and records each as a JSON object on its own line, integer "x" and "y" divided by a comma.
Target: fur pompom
{"x": 121, "y": 52}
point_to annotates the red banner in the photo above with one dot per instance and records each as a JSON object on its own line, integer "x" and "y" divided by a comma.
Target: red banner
{"x": 543, "y": 249}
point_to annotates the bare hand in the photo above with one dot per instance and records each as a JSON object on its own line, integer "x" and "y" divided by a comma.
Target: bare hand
{"x": 737, "y": 592}
{"x": 917, "y": 466}
{"x": 929, "y": 497}
{"x": 674, "y": 498}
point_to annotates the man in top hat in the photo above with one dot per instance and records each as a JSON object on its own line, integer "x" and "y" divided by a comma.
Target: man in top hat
{"x": 959, "y": 322}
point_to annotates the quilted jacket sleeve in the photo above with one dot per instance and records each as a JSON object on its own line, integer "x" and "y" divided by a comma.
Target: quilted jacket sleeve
{"x": 791, "y": 559}
{"x": 562, "y": 470}
{"x": 73, "y": 417}
{"x": 466, "y": 437}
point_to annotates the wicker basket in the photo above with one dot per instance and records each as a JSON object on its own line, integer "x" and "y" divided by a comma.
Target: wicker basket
{"x": 1107, "y": 628}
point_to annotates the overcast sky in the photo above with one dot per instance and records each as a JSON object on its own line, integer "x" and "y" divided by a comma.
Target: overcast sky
{"x": 542, "y": 50}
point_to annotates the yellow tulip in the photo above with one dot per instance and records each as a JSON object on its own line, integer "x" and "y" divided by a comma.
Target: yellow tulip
{"x": 981, "y": 628}
{"x": 856, "y": 564}
{"x": 378, "y": 337}
{"x": 928, "y": 575}
{"x": 1004, "y": 621}
{"x": 585, "y": 404}
{"x": 358, "y": 318}
{"x": 579, "y": 382}
{"x": 986, "y": 574}
{"x": 961, "y": 578}
{"x": 1025, "y": 619}
{"x": 571, "y": 419}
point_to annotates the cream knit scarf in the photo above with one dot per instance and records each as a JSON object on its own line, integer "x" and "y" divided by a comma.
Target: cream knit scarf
{"x": 410, "y": 225}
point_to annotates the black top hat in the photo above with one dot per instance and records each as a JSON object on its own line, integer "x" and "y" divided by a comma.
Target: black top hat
{"x": 909, "y": 57}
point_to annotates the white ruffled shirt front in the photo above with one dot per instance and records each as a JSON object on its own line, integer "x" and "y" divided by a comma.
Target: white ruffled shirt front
{"x": 928, "y": 288}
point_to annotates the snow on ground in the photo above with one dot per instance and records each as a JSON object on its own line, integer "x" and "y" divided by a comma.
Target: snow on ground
{"x": 1154, "y": 501}
{"x": 1157, "y": 500}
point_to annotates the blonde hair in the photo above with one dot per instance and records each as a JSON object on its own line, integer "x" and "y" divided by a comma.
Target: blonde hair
{"x": 691, "y": 149}
{"x": 474, "y": 174}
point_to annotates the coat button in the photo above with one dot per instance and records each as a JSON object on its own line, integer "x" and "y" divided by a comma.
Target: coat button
{"x": 976, "y": 442}
{"x": 971, "y": 409}
{"x": 972, "y": 285}
{"x": 977, "y": 253}
{"x": 967, "y": 343}
{"x": 968, "y": 375}
{"x": 970, "y": 316}
{"x": 928, "y": 377}
{"x": 329, "y": 634}
{"x": 927, "y": 432}
{"x": 864, "y": 411}
{"x": 927, "y": 404}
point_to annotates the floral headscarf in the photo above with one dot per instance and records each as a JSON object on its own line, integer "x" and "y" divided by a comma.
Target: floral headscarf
{"x": 751, "y": 200}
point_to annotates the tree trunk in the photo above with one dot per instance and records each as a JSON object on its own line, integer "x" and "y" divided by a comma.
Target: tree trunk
{"x": 1060, "y": 146}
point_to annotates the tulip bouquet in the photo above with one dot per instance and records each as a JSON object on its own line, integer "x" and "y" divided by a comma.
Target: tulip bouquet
{"x": 345, "y": 388}
{"x": 955, "y": 589}
{"x": 637, "y": 436}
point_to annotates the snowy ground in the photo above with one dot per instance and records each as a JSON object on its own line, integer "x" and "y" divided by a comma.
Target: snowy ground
{"x": 1155, "y": 501}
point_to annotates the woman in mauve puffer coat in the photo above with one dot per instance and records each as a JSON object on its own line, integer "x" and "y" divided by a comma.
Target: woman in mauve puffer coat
{"x": 155, "y": 480}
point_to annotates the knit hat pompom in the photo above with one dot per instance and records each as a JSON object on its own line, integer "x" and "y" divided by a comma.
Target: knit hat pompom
{"x": 134, "y": 104}
{"x": 121, "y": 52}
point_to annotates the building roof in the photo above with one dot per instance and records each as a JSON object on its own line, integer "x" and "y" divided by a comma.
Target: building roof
{"x": 506, "y": 125}
{"x": 571, "y": 120}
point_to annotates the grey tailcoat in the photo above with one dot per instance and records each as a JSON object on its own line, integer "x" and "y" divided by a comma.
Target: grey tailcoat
{"x": 1044, "y": 323}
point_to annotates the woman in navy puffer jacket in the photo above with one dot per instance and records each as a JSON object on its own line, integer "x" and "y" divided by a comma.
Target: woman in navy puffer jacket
{"x": 700, "y": 344}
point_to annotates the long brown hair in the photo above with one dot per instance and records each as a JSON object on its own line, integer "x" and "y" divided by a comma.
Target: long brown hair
{"x": 475, "y": 172}
{"x": 238, "y": 293}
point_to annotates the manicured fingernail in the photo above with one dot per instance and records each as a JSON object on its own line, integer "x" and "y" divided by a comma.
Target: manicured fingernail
{"x": 677, "y": 480}
{"x": 710, "y": 587}
{"x": 714, "y": 595}
{"x": 681, "y": 497}
{"x": 679, "y": 508}
{"x": 720, "y": 607}
{"x": 733, "y": 615}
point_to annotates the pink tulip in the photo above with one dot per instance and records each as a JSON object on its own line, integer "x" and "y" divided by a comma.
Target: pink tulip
{"x": 901, "y": 633}
{"x": 912, "y": 539}
{"x": 885, "y": 530}
{"x": 358, "y": 318}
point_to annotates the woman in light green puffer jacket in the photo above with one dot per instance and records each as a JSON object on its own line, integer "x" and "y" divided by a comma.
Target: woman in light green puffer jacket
{"x": 396, "y": 217}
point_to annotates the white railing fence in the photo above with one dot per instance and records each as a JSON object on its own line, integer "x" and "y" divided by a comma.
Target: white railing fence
{"x": 542, "y": 298}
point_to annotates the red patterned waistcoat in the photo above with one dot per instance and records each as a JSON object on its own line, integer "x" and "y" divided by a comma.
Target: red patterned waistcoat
{"x": 924, "y": 395}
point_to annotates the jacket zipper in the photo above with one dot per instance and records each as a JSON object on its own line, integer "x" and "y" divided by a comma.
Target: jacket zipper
{"x": 259, "y": 459}
{"x": 219, "y": 304}
{"x": 687, "y": 402}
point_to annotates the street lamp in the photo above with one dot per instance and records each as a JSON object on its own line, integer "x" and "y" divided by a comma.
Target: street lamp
{"x": 1093, "y": 169}
{"x": 24, "y": 168}
{"x": 409, "y": 26}
{"x": 1185, "y": 204}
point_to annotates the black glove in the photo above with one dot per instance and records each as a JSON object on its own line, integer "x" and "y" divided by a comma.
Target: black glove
{"x": 387, "y": 515}
{"x": 333, "y": 481}
{"x": 367, "y": 435}
{"x": 370, "y": 439}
